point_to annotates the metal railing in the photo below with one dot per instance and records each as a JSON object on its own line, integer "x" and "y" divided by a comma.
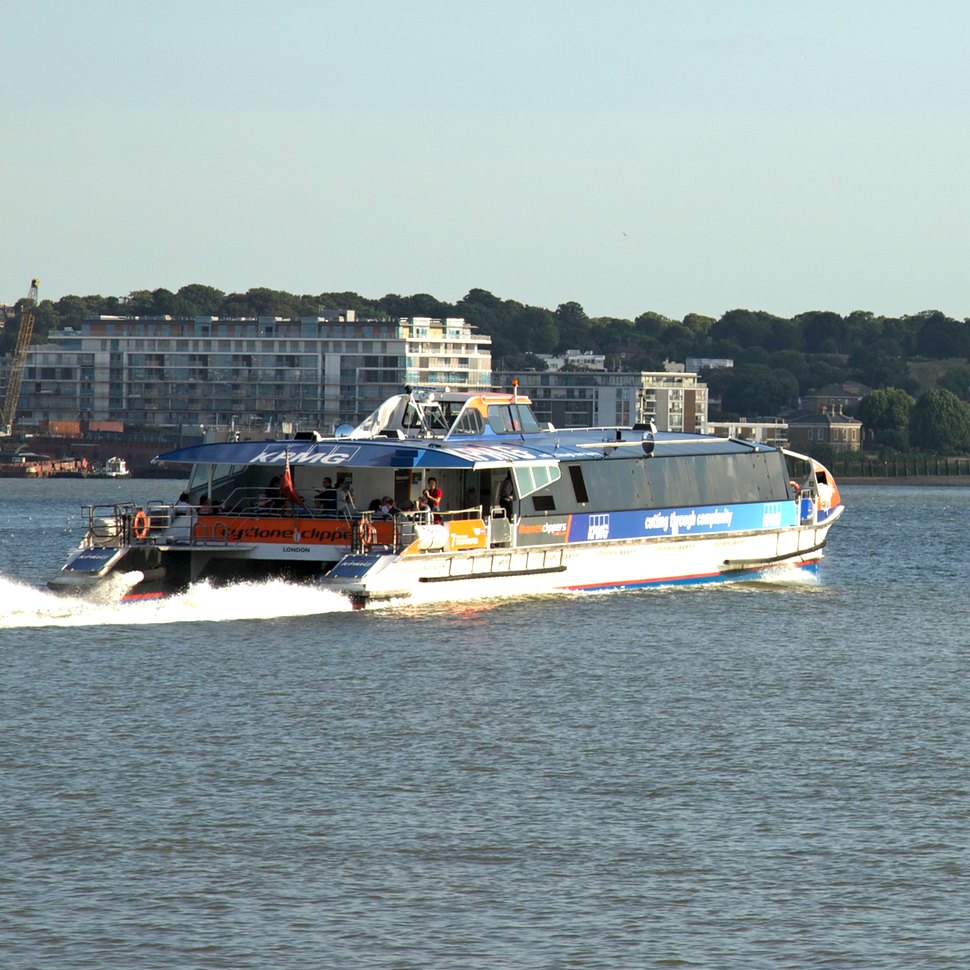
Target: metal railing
{"x": 902, "y": 466}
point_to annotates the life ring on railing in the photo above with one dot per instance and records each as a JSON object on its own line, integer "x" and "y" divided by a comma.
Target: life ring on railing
{"x": 140, "y": 525}
{"x": 795, "y": 487}
{"x": 366, "y": 533}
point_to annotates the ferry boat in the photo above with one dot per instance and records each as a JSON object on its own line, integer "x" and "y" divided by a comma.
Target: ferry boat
{"x": 442, "y": 495}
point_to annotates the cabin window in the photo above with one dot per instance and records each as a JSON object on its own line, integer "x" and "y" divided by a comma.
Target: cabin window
{"x": 530, "y": 478}
{"x": 434, "y": 419}
{"x": 412, "y": 419}
{"x": 511, "y": 419}
{"x": 470, "y": 423}
{"x": 543, "y": 503}
{"x": 579, "y": 484}
{"x": 527, "y": 420}
{"x": 500, "y": 419}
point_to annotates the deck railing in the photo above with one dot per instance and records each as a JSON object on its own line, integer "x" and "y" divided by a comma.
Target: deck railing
{"x": 903, "y": 466}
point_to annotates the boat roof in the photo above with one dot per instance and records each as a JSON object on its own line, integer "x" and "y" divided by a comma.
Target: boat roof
{"x": 429, "y": 428}
{"x": 478, "y": 452}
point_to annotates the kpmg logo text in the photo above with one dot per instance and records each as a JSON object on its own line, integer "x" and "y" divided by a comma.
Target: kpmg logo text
{"x": 599, "y": 527}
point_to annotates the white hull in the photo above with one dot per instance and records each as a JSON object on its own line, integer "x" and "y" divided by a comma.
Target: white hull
{"x": 595, "y": 566}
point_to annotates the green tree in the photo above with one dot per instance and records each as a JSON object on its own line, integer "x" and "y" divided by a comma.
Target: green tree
{"x": 163, "y": 303}
{"x": 198, "y": 300}
{"x": 347, "y": 300}
{"x": 536, "y": 330}
{"x": 699, "y": 325}
{"x": 523, "y": 363}
{"x": 573, "y": 326}
{"x": 748, "y": 328}
{"x": 879, "y": 365}
{"x": 262, "y": 302}
{"x": 612, "y": 336}
{"x": 886, "y": 412}
{"x": 939, "y": 336}
{"x": 418, "y": 305}
{"x": 46, "y": 319}
{"x": 752, "y": 390}
{"x": 823, "y": 332}
{"x": 652, "y": 324}
{"x": 957, "y": 380}
{"x": 72, "y": 310}
{"x": 677, "y": 341}
{"x": 493, "y": 316}
{"x": 940, "y": 422}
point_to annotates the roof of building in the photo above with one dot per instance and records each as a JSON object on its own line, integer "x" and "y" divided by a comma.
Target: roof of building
{"x": 846, "y": 389}
{"x": 814, "y": 418}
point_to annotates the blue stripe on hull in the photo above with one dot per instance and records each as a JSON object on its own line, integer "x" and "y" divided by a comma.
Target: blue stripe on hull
{"x": 699, "y": 579}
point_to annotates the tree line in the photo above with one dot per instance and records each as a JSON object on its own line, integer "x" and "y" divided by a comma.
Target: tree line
{"x": 777, "y": 359}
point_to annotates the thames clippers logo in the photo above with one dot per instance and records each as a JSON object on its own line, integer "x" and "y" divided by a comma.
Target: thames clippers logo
{"x": 598, "y": 528}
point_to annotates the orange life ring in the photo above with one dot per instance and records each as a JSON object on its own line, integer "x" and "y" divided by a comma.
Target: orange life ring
{"x": 795, "y": 487}
{"x": 140, "y": 525}
{"x": 366, "y": 533}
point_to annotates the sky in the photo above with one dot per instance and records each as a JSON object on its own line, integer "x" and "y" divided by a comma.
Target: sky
{"x": 629, "y": 155}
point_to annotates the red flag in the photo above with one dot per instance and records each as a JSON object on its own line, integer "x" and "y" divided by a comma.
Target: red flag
{"x": 286, "y": 484}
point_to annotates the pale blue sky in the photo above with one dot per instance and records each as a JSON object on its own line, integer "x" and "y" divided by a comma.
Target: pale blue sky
{"x": 670, "y": 156}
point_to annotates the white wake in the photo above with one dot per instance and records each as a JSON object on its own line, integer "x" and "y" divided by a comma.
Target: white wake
{"x": 22, "y": 605}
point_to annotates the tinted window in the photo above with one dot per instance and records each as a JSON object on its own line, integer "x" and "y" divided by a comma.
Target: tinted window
{"x": 511, "y": 418}
{"x": 579, "y": 484}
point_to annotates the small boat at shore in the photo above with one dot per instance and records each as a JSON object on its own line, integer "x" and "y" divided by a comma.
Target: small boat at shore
{"x": 114, "y": 468}
{"x": 443, "y": 495}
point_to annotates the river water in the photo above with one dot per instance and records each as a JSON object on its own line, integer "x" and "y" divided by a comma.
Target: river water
{"x": 258, "y": 777}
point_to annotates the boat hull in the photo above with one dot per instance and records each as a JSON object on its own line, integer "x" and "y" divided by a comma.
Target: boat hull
{"x": 592, "y": 567}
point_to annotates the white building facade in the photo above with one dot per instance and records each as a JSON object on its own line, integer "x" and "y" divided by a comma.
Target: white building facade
{"x": 674, "y": 401}
{"x": 269, "y": 372}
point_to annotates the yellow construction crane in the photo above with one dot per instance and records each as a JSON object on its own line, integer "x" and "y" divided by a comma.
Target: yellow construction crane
{"x": 12, "y": 394}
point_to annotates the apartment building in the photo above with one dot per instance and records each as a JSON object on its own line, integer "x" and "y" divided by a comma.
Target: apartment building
{"x": 673, "y": 400}
{"x": 268, "y": 373}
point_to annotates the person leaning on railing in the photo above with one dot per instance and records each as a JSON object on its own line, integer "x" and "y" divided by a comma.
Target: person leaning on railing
{"x": 345, "y": 499}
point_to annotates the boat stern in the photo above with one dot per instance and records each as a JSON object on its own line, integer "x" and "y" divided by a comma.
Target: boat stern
{"x": 365, "y": 578}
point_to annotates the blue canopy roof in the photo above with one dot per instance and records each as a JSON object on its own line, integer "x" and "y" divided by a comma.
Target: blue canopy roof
{"x": 363, "y": 453}
{"x": 492, "y": 452}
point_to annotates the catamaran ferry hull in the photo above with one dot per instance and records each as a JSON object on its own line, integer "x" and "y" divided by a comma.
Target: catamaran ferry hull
{"x": 595, "y": 567}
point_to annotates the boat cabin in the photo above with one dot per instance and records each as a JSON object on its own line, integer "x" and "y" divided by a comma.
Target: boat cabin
{"x": 447, "y": 414}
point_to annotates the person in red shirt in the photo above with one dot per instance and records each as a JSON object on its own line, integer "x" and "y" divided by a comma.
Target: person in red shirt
{"x": 433, "y": 496}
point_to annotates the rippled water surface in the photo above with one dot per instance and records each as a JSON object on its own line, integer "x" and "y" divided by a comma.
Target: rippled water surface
{"x": 258, "y": 777}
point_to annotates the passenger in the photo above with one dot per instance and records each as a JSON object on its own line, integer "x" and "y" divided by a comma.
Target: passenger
{"x": 271, "y": 500}
{"x": 326, "y": 498}
{"x": 182, "y": 520}
{"x": 207, "y": 506}
{"x": 433, "y": 496}
{"x": 388, "y": 509}
{"x": 345, "y": 499}
{"x": 506, "y": 495}
{"x": 182, "y": 506}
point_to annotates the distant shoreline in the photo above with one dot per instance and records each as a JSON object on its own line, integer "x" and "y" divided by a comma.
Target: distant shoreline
{"x": 955, "y": 480}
